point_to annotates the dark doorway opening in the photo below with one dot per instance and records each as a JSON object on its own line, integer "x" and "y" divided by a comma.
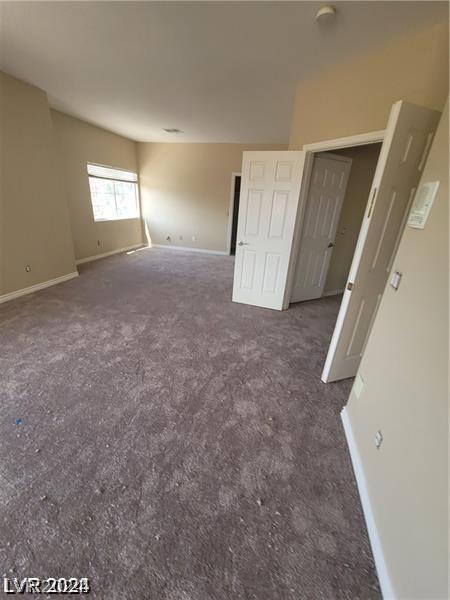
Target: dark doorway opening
{"x": 234, "y": 223}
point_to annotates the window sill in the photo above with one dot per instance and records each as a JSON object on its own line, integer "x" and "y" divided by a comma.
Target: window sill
{"x": 115, "y": 220}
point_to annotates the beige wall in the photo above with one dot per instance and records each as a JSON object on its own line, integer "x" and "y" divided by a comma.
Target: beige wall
{"x": 405, "y": 374}
{"x": 80, "y": 143}
{"x": 355, "y": 97}
{"x": 185, "y": 191}
{"x": 364, "y": 162}
{"x": 34, "y": 227}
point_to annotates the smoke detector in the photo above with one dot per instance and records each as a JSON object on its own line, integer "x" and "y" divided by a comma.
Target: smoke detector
{"x": 172, "y": 130}
{"x": 326, "y": 14}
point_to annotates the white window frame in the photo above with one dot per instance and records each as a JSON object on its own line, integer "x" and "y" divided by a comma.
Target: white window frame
{"x": 126, "y": 179}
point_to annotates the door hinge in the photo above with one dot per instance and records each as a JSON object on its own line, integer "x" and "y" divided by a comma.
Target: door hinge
{"x": 349, "y": 286}
{"x": 372, "y": 202}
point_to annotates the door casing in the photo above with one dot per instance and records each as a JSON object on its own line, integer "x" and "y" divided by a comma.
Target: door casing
{"x": 362, "y": 139}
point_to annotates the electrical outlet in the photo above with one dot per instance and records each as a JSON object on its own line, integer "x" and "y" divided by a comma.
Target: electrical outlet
{"x": 378, "y": 439}
{"x": 194, "y": 238}
{"x": 28, "y": 268}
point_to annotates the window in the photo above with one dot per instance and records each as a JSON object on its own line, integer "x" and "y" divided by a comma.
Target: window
{"x": 114, "y": 193}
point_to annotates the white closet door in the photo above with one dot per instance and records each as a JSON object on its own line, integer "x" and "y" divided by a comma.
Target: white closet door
{"x": 403, "y": 153}
{"x": 329, "y": 178}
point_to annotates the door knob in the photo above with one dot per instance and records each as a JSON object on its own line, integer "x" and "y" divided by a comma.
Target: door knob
{"x": 243, "y": 243}
{"x": 330, "y": 245}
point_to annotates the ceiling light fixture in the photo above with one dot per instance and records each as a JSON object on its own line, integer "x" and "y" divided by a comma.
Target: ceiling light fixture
{"x": 172, "y": 130}
{"x": 326, "y": 14}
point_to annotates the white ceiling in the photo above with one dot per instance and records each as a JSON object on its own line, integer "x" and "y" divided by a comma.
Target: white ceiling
{"x": 219, "y": 71}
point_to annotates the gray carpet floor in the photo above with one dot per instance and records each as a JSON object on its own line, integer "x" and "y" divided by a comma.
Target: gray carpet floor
{"x": 172, "y": 445}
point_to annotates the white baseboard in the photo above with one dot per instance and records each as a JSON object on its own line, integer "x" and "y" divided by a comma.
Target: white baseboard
{"x": 37, "y": 287}
{"x": 80, "y": 261}
{"x": 375, "y": 542}
{"x": 334, "y": 293}
{"x": 188, "y": 249}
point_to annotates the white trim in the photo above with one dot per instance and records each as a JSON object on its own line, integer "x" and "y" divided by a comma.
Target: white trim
{"x": 375, "y": 542}
{"x": 80, "y": 261}
{"x": 188, "y": 249}
{"x": 38, "y": 286}
{"x": 371, "y": 137}
{"x": 334, "y": 292}
{"x": 234, "y": 174}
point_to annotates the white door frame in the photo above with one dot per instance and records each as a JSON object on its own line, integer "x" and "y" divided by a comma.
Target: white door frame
{"x": 234, "y": 174}
{"x": 360, "y": 139}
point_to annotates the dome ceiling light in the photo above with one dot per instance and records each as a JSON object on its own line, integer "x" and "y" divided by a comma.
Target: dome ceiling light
{"x": 326, "y": 14}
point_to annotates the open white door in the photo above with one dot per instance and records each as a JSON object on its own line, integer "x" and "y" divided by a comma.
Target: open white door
{"x": 270, "y": 190}
{"x": 328, "y": 183}
{"x": 403, "y": 153}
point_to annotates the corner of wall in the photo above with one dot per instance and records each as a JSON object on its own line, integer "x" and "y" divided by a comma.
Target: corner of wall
{"x": 36, "y": 240}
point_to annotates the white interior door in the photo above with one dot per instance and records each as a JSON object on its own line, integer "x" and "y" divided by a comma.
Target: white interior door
{"x": 270, "y": 190}
{"x": 403, "y": 153}
{"x": 328, "y": 183}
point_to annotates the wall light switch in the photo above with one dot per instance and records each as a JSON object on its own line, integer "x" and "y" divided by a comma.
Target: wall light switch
{"x": 395, "y": 279}
{"x": 378, "y": 439}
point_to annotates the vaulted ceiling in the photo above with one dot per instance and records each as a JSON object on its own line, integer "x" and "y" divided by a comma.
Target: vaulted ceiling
{"x": 219, "y": 71}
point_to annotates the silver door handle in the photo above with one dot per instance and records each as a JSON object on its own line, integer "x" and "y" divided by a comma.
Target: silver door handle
{"x": 243, "y": 244}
